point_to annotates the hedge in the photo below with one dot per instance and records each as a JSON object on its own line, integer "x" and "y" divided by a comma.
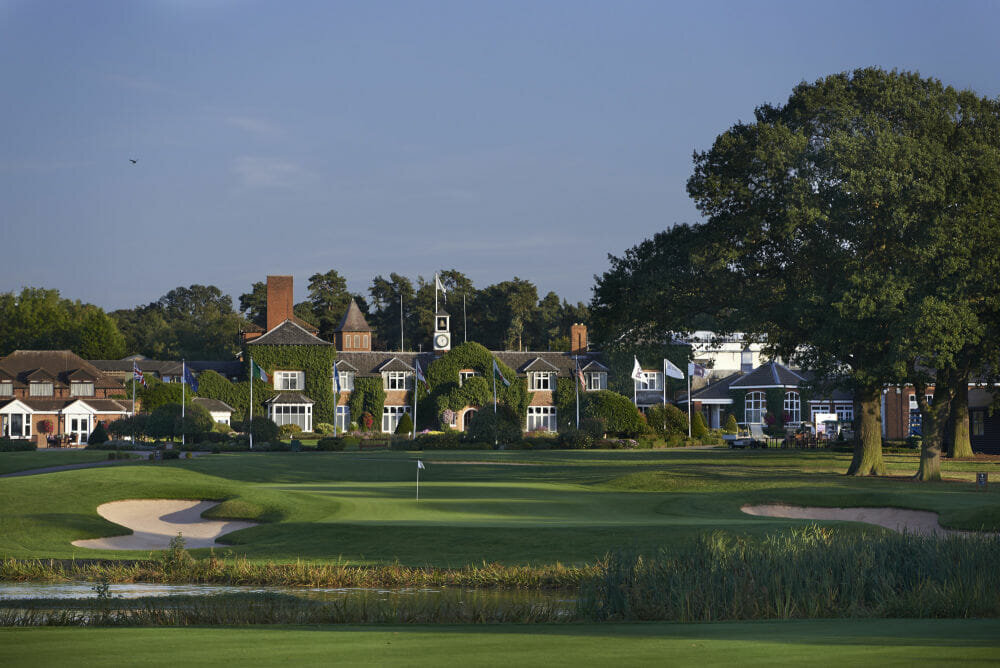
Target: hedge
{"x": 8, "y": 444}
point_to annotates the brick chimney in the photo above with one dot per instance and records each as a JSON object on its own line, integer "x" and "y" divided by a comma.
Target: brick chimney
{"x": 578, "y": 339}
{"x": 279, "y": 300}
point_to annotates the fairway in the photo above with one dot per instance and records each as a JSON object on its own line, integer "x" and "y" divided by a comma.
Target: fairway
{"x": 505, "y": 507}
{"x": 882, "y": 643}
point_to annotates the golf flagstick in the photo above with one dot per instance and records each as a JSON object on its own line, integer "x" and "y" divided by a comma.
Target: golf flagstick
{"x": 420, "y": 465}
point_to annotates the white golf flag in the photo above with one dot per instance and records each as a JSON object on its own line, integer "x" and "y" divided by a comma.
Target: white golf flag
{"x": 637, "y": 369}
{"x": 440, "y": 286}
{"x": 672, "y": 370}
{"x": 420, "y": 464}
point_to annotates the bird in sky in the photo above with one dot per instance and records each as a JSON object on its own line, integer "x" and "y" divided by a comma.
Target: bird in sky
{"x": 132, "y": 161}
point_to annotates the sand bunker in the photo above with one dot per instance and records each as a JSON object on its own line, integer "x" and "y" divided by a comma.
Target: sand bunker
{"x": 155, "y": 521}
{"x": 919, "y": 522}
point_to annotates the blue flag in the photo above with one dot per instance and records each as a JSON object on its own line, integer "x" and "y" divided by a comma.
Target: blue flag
{"x": 336, "y": 378}
{"x": 190, "y": 379}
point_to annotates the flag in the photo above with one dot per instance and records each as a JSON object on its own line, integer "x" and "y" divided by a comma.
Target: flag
{"x": 336, "y": 378}
{"x": 137, "y": 374}
{"x": 672, "y": 370}
{"x": 420, "y": 464}
{"x": 420, "y": 376}
{"x": 498, "y": 374}
{"x": 636, "y": 369}
{"x": 257, "y": 372}
{"x": 438, "y": 285}
{"x": 190, "y": 379}
{"x": 580, "y": 378}
{"x": 695, "y": 369}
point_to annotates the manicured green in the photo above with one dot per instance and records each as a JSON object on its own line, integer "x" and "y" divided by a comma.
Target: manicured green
{"x": 553, "y": 506}
{"x": 882, "y": 643}
{"x": 25, "y": 461}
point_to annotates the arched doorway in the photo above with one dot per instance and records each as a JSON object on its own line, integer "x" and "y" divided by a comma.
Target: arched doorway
{"x": 467, "y": 418}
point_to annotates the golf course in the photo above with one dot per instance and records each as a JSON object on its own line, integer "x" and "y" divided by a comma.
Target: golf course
{"x": 517, "y": 520}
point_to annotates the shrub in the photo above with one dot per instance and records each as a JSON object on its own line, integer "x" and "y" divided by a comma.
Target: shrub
{"x": 502, "y": 427}
{"x": 405, "y": 425}
{"x": 171, "y": 454}
{"x": 594, "y": 426}
{"x": 324, "y": 428}
{"x": 287, "y": 430}
{"x": 331, "y": 444}
{"x": 8, "y": 444}
{"x": 731, "y": 426}
{"x": 576, "y": 439}
{"x": 367, "y": 422}
{"x": 263, "y": 429}
{"x": 166, "y": 421}
{"x": 617, "y": 411}
{"x": 221, "y": 428}
{"x": 98, "y": 435}
{"x": 666, "y": 421}
{"x": 699, "y": 429}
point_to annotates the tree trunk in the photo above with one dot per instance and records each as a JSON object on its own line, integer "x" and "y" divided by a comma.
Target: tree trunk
{"x": 868, "y": 441}
{"x": 961, "y": 446}
{"x": 933, "y": 418}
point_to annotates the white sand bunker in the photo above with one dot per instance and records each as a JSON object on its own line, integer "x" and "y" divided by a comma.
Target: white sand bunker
{"x": 155, "y": 522}
{"x": 919, "y": 522}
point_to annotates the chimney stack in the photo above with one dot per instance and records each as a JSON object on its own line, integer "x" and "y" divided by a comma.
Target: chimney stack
{"x": 280, "y": 300}
{"x": 578, "y": 339}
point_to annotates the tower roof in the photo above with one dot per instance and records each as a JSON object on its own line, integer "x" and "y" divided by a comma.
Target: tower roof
{"x": 353, "y": 320}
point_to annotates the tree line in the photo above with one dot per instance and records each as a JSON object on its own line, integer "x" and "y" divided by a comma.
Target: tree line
{"x": 200, "y": 322}
{"x": 857, "y": 228}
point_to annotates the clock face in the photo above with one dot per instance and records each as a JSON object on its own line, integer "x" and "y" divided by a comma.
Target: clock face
{"x": 441, "y": 340}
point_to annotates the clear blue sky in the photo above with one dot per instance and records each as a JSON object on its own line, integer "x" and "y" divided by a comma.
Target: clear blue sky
{"x": 499, "y": 138}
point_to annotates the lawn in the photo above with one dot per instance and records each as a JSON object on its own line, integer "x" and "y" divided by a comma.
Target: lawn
{"x": 846, "y": 642}
{"x": 11, "y": 462}
{"x": 507, "y": 507}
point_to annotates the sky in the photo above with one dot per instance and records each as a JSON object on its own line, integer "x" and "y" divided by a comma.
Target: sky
{"x": 499, "y": 138}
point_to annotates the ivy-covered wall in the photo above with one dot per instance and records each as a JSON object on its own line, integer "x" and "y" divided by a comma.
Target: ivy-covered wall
{"x": 442, "y": 374}
{"x": 214, "y": 386}
{"x": 776, "y": 405}
{"x": 316, "y": 361}
{"x": 739, "y": 404}
{"x": 368, "y": 396}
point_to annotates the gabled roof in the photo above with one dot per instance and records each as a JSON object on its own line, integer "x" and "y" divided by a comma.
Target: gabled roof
{"x": 55, "y": 365}
{"x": 344, "y": 365}
{"x": 441, "y": 311}
{"x": 40, "y": 375}
{"x": 54, "y": 405}
{"x": 395, "y": 364}
{"x": 594, "y": 365}
{"x": 369, "y": 364}
{"x": 562, "y": 361}
{"x": 717, "y": 391}
{"x": 771, "y": 374}
{"x": 213, "y": 405}
{"x": 81, "y": 375}
{"x": 288, "y": 333}
{"x": 353, "y": 320}
{"x": 289, "y": 398}
{"x": 538, "y": 364}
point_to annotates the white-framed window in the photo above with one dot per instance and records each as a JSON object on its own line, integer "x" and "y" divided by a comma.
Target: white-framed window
{"x": 357, "y": 340}
{"x": 542, "y": 418}
{"x": 793, "y": 406}
{"x": 465, "y": 375}
{"x": 6, "y": 388}
{"x": 343, "y": 418}
{"x": 978, "y": 423}
{"x": 18, "y": 425}
{"x": 845, "y": 412}
{"x": 37, "y": 389}
{"x": 346, "y": 381}
{"x": 289, "y": 380}
{"x": 913, "y": 401}
{"x": 397, "y": 380}
{"x": 364, "y": 341}
{"x": 390, "y": 417}
{"x": 651, "y": 380}
{"x": 542, "y": 380}
{"x": 80, "y": 389}
{"x": 815, "y": 409}
{"x": 300, "y": 414}
{"x": 596, "y": 380}
{"x": 755, "y": 407}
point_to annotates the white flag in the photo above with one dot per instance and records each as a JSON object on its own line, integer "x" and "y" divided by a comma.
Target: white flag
{"x": 670, "y": 369}
{"x": 420, "y": 464}
{"x": 438, "y": 285}
{"x": 637, "y": 369}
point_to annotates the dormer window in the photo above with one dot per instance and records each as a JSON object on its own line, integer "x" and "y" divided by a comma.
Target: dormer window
{"x": 346, "y": 381}
{"x": 651, "y": 380}
{"x": 465, "y": 375}
{"x": 6, "y": 388}
{"x": 596, "y": 380}
{"x": 81, "y": 389}
{"x": 542, "y": 380}
{"x": 40, "y": 389}
{"x": 397, "y": 380}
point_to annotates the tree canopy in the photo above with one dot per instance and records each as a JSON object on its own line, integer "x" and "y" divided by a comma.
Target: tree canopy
{"x": 39, "y": 319}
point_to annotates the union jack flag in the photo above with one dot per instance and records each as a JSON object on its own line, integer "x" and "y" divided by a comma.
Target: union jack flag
{"x": 137, "y": 374}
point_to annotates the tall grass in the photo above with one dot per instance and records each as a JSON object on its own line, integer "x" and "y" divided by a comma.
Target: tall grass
{"x": 806, "y": 573}
{"x": 239, "y": 571}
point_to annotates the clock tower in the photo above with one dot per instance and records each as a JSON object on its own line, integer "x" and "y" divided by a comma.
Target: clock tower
{"x": 442, "y": 332}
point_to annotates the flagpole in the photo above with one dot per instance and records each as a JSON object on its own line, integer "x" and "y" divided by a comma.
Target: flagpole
{"x": 336, "y": 397}
{"x": 576, "y": 384}
{"x": 664, "y": 381}
{"x": 250, "y": 418}
{"x": 435, "y": 294}
{"x": 413, "y": 431}
{"x": 689, "y": 400}
{"x": 133, "y": 389}
{"x": 465, "y": 322}
{"x": 183, "y": 394}
{"x": 400, "y": 321}
{"x": 496, "y": 439}
{"x": 418, "y": 480}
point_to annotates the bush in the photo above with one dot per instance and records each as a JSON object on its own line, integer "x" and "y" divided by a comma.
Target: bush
{"x": 324, "y": 428}
{"x": 699, "y": 429}
{"x": 171, "y": 454}
{"x": 287, "y": 430}
{"x": 731, "y": 426}
{"x": 666, "y": 421}
{"x": 8, "y": 444}
{"x": 576, "y": 439}
{"x": 405, "y": 425}
{"x": 98, "y": 435}
{"x": 617, "y": 411}
{"x": 594, "y": 426}
{"x": 166, "y": 421}
{"x": 221, "y": 428}
{"x": 263, "y": 429}
{"x": 331, "y": 444}
{"x": 502, "y": 427}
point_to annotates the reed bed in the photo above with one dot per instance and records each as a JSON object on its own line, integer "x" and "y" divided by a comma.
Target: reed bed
{"x": 171, "y": 569}
{"x": 806, "y": 573}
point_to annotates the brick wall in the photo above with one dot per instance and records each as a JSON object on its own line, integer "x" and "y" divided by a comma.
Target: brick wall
{"x": 280, "y": 300}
